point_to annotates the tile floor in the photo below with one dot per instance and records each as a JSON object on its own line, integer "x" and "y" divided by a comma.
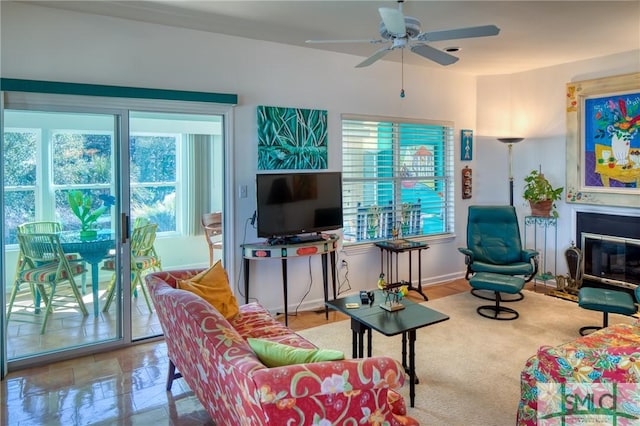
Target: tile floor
{"x": 126, "y": 386}
{"x": 68, "y": 327}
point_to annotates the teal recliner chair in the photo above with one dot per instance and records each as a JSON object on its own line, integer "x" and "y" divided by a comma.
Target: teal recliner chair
{"x": 494, "y": 245}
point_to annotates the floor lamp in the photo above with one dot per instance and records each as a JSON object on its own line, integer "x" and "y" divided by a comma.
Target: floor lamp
{"x": 510, "y": 141}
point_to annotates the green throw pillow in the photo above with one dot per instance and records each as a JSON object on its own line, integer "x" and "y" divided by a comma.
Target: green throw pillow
{"x": 274, "y": 354}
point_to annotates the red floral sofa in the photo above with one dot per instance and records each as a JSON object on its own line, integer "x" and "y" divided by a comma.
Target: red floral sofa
{"x": 213, "y": 357}
{"x": 588, "y": 365}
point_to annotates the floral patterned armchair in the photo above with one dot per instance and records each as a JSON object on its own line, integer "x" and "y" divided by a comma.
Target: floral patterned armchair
{"x": 606, "y": 357}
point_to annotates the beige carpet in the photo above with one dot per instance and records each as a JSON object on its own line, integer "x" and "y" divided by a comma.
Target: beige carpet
{"x": 469, "y": 366}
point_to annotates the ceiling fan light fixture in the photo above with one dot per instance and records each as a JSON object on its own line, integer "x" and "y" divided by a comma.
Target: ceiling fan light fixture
{"x": 412, "y": 29}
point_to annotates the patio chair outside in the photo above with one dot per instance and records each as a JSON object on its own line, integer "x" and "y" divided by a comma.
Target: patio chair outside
{"x": 30, "y": 228}
{"x": 143, "y": 258}
{"x": 46, "y": 268}
{"x": 212, "y": 224}
{"x": 378, "y": 222}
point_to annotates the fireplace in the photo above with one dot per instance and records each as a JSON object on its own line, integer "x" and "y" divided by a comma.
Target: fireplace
{"x": 610, "y": 246}
{"x": 611, "y": 260}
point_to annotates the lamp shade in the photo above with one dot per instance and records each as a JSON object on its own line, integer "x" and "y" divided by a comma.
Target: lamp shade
{"x": 510, "y": 140}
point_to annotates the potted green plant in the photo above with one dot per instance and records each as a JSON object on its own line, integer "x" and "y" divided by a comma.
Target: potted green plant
{"x": 541, "y": 194}
{"x": 81, "y": 206}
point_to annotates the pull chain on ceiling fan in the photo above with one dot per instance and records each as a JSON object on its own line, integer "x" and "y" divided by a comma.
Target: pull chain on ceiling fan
{"x": 402, "y": 75}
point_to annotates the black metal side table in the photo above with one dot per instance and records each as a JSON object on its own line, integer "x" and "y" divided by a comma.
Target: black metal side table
{"x": 389, "y": 248}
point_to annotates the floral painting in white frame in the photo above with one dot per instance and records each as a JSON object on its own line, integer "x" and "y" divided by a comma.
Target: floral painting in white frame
{"x": 603, "y": 145}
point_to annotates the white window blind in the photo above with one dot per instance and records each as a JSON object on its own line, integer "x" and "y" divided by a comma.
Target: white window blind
{"x": 397, "y": 178}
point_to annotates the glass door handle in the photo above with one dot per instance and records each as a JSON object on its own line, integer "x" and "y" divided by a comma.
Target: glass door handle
{"x": 124, "y": 226}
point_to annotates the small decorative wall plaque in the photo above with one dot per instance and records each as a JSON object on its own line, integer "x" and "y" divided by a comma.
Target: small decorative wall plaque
{"x": 466, "y": 145}
{"x": 467, "y": 187}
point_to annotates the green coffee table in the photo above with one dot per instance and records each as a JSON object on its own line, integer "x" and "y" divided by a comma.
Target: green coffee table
{"x": 405, "y": 322}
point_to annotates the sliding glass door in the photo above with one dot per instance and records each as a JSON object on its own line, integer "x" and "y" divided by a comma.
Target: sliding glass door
{"x": 59, "y": 178}
{"x": 176, "y": 164}
{"x": 105, "y": 176}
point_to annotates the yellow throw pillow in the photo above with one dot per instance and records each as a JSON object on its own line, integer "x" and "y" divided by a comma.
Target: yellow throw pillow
{"x": 213, "y": 286}
{"x": 273, "y": 354}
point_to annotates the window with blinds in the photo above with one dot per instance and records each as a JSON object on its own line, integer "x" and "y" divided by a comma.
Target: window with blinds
{"x": 397, "y": 178}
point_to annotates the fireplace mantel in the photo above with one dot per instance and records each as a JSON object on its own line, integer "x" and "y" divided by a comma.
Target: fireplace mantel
{"x": 607, "y": 224}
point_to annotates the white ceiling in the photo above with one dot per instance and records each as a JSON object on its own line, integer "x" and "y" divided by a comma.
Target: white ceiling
{"x": 534, "y": 34}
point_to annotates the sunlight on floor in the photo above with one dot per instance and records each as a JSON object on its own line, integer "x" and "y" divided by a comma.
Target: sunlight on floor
{"x": 68, "y": 327}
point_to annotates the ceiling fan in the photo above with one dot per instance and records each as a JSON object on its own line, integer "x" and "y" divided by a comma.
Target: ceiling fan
{"x": 404, "y": 31}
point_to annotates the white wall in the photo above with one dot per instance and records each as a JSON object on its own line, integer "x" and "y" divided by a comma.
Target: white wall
{"x": 49, "y": 44}
{"x": 532, "y": 105}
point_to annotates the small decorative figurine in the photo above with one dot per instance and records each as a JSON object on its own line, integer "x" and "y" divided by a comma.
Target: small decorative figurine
{"x": 381, "y": 283}
{"x": 395, "y": 231}
{"x": 394, "y": 293}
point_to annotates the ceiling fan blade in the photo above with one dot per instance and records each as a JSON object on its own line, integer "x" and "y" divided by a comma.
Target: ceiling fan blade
{"x": 346, "y": 41}
{"x": 481, "y": 31}
{"x": 371, "y": 59}
{"x": 393, "y": 20}
{"x": 443, "y": 58}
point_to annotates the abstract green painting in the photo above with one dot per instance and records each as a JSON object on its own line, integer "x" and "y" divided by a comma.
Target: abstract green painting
{"x": 291, "y": 138}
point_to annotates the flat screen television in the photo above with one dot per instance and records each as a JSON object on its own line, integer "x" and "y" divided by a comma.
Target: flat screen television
{"x": 290, "y": 204}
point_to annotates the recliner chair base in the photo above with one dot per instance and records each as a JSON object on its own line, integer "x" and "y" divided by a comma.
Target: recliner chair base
{"x": 476, "y": 292}
{"x": 509, "y": 314}
{"x": 497, "y": 310}
{"x": 497, "y": 284}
